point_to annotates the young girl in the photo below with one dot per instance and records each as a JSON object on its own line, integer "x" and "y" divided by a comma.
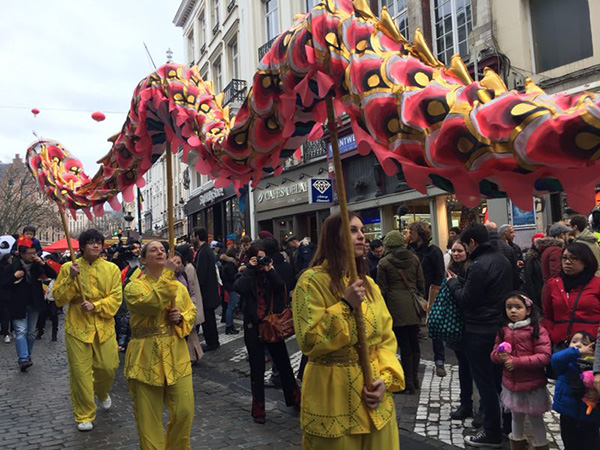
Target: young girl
{"x": 577, "y": 429}
{"x": 523, "y": 347}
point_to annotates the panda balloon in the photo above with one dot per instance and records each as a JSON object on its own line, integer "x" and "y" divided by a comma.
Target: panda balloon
{"x": 6, "y": 243}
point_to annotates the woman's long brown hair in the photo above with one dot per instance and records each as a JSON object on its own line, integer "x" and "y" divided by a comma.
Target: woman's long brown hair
{"x": 333, "y": 249}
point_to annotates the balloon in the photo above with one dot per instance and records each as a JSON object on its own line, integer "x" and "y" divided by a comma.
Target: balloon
{"x": 98, "y": 116}
{"x": 35, "y": 112}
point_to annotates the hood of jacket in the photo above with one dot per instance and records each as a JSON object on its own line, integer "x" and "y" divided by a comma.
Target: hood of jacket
{"x": 548, "y": 242}
{"x": 227, "y": 259}
{"x": 532, "y": 253}
{"x": 587, "y": 236}
{"x": 402, "y": 258}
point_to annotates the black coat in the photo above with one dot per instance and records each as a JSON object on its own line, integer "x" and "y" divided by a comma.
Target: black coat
{"x": 271, "y": 285}
{"x": 432, "y": 262}
{"x": 26, "y": 293}
{"x": 229, "y": 270}
{"x": 285, "y": 271}
{"x": 481, "y": 296}
{"x": 506, "y": 250}
{"x": 533, "y": 278}
{"x": 207, "y": 277}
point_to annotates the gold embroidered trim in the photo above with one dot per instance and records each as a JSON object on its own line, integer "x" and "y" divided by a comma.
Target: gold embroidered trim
{"x": 146, "y": 332}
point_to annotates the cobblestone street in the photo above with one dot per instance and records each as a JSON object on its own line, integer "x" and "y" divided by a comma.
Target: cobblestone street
{"x": 35, "y": 407}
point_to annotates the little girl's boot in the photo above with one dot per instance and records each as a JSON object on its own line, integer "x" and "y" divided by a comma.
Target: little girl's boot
{"x": 518, "y": 444}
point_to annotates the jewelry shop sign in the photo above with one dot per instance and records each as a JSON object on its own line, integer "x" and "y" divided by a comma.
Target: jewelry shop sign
{"x": 321, "y": 191}
{"x": 280, "y": 196}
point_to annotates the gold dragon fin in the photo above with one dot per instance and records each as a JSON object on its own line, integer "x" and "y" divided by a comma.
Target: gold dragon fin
{"x": 387, "y": 25}
{"x": 491, "y": 80}
{"x": 363, "y": 9}
{"x": 532, "y": 88}
{"x": 421, "y": 50}
{"x": 459, "y": 70}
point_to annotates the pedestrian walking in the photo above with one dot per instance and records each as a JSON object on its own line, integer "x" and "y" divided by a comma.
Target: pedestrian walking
{"x": 157, "y": 362}
{"x": 229, "y": 270}
{"x": 338, "y": 410}
{"x": 579, "y": 430}
{"x": 263, "y": 291}
{"x": 523, "y": 348}
{"x": 26, "y": 296}
{"x": 90, "y": 335}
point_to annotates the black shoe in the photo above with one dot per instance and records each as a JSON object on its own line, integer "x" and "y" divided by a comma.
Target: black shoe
{"x": 478, "y": 420}
{"x": 210, "y": 348}
{"x": 54, "y": 336}
{"x": 24, "y": 365}
{"x": 39, "y": 335}
{"x": 482, "y": 439}
{"x": 461, "y": 413}
{"x": 273, "y": 382}
{"x": 231, "y": 330}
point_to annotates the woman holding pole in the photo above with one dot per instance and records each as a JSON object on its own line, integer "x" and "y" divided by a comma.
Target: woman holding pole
{"x": 339, "y": 410}
{"x": 157, "y": 363}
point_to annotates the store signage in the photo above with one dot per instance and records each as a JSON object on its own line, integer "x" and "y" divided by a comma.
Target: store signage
{"x": 521, "y": 218}
{"x": 282, "y": 196}
{"x": 321, "y": 190}
{"x": 345, "y": 143}
{"x": 211, "y": 196}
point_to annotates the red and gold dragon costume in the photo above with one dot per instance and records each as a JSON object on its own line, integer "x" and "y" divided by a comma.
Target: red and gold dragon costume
{"x": 404, "y": 105}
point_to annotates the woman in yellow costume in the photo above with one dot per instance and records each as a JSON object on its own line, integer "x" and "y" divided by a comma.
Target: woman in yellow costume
{"x": 338, "y": 411}
{"x": 157, "y": 363}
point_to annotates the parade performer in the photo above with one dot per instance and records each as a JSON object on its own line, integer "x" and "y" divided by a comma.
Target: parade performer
{"x": 90, "y": 326}
{"x": 338, "y": 410}
{"x": 157, "y": 362}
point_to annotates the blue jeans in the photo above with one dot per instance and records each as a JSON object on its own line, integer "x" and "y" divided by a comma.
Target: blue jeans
{"x": 233, "y": 300}
{"x": 25, "y": 331}
{"x": 439, "y": 351}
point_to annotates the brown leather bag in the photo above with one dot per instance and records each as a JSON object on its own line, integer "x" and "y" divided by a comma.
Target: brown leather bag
{"x": 277, "y": 327}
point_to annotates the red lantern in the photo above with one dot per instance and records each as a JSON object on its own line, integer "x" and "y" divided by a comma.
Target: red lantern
{"x": 98, "y": 116}
{"x": 35, "y": 112}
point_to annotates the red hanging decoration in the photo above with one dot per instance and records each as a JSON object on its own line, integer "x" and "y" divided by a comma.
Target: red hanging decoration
{"x": 98, "y": 116}
{"x": 35, "y": 112}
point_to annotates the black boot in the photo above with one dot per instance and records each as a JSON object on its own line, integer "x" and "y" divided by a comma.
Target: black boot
{"x": 54, "y": 335}
{"x": 416, "y": 362}
{"x": 462, "y": 413}
{"x": 407, "y": 366}
{"x": 39, "y": 335}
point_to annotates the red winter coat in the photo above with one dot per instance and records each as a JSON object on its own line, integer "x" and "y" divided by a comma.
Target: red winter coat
{"x": 551, "y": 259}
{"x": 530, "y": 357}
{"x": 558, "y": 307}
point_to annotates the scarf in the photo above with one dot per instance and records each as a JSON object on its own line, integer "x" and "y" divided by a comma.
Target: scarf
{"x": 27, "y": 269}
{"x": 581, "y": 279}
{"x": 520, "y": 324}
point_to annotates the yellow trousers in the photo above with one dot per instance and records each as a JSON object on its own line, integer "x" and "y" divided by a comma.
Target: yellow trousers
{"x": 92, "y": 370}
{"x": 384, "y": 439}
{"x": 148, "y": 403}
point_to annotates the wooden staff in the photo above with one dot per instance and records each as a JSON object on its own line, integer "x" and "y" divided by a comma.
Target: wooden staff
{"x": 65, "y": 225}
{"x": 170, "y": 212}
{"x": 363, "y": 345}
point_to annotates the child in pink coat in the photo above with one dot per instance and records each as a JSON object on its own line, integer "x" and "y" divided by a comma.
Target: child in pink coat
{"x": 523, "y": 347}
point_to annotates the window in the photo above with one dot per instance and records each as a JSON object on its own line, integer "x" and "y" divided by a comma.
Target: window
{"x": 190, "y": 47}
{"x": 204, "y": 73}
{"x": 217, "y": 75}
{"x": 561, "y": 32}
{"x": 202, "y": 28}
{"x": 453, "y": 21}
{"x": 272, "y": 14}
{"x": 234, "y": 59}
{"x": 215, "y": 13}
{"x": 399, "y": 12}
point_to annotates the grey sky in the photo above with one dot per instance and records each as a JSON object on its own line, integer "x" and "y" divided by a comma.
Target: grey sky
{"x": 77, "y": 55}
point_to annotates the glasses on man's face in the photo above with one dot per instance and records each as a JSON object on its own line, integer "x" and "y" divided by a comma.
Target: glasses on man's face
{"x": 569, "y": 259}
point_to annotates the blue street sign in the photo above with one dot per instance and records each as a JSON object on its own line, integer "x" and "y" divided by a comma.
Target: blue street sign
{"x": 321, "y": 190}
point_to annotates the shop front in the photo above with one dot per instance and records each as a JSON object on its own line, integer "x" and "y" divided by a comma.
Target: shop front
{"x": 220, "y": 211}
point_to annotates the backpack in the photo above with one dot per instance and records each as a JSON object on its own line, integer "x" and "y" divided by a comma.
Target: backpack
{"x": 445, "y": 318}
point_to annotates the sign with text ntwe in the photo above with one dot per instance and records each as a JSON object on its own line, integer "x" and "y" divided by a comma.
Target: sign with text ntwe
{"x": 321, "y": 190}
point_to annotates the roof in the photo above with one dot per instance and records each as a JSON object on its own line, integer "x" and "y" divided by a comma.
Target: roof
{"x": 183, "y": 13}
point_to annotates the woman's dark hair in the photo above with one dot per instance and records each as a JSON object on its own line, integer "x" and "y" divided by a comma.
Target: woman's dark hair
{"x": 271, "y": 246}
{"x": 422, "y": 229}
{"x": 231, "y": 252}
{"x": 584, "y": 254}
{"x": 587, "y": 336}
{"x": 332, "y": 248}
{"x": 254, "y": 249}
{"x": 4, "y": 259}
{"x": 187, "y": 253}
{"x": 457, "y": 267}
{"x": 91, "y": 235}
{"x": 179, "y": 254}
{"x": 535, "y": 315}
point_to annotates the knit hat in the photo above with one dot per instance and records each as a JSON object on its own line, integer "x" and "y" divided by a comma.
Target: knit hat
{"x": 537, "y": 236}
{"x": 394, "y": 239}
{"x": 265, "y": 234}
{"x": 558, "y": 228}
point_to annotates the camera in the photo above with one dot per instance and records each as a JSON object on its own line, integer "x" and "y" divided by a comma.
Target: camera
{"x": 264, "y": 260}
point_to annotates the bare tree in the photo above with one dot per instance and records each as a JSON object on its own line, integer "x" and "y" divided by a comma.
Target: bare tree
{"x": 21, "y": 201}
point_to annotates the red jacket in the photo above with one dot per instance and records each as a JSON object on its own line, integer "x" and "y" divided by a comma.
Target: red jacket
{"x": 530, "y": 357}
{"x": 551, "y": 262}
{"x": 558, "y": 307}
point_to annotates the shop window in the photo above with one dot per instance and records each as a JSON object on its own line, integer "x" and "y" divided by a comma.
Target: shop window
{"x": 452, "y": 23}
{"x": 371, "y": 219}
{"x": 561, "y": 32}
{"x": 399, "y": 12}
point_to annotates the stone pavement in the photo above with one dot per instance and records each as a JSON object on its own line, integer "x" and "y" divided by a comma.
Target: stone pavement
{"x": 35, "y": 408}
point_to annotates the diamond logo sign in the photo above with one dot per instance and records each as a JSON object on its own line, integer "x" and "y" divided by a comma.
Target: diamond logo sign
{"x": 321, "y": 191}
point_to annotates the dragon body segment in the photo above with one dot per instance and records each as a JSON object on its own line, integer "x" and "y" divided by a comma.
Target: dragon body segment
{"x": 404, "y": 105}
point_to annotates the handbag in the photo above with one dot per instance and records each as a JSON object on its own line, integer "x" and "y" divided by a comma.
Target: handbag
{"x": 550, "y": 373}
{"x": 277, "y": 327}
{"x": 445, "y": 318}
{"x": 419, "y": 302}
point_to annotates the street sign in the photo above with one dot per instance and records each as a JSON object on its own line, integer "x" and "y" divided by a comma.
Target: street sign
{"x": 321, "y": 190}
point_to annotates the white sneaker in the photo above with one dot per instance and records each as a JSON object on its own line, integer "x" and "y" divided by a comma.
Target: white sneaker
{"x": 106, "y": 403}
{"x": 85, "y": 426}
{"x": 7, "y": 339}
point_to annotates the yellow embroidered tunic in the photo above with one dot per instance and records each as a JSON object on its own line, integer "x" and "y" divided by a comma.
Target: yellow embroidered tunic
{"x": 332, "y": 386}
{"x": 101, "y": 282}
{"x": 158, "y": 353}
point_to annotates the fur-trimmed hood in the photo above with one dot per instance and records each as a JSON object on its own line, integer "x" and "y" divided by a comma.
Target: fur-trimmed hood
{"x": 546, "y": 242}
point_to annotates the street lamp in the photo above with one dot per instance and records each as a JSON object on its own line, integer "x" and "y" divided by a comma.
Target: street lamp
{"x": 169, "y": 55}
